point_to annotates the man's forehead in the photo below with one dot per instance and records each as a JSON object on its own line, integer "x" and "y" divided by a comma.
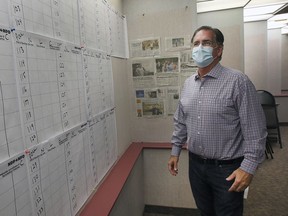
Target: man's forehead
{"x": 204, "y": 35}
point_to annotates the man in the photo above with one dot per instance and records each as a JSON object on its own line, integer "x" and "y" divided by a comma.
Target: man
{"x": 221, "y": 120}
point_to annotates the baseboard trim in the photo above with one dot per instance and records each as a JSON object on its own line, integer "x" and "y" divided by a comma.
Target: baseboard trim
{"x": 175, "y": 211}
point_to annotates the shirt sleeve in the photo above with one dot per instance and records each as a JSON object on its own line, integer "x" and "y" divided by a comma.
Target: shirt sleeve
{"x": 253, "y": 126}
{"x": 179, "y": 136}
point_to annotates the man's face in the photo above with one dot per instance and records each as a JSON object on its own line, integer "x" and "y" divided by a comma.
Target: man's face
{"x": 206, "y": 38}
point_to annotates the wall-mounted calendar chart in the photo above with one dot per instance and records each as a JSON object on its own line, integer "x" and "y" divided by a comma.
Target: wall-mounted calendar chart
{"x": 119, "y": 37}
{"x": 57, "y": 173}
{"x": 11, "y": 141}
{"x": 50, "y": 81}
{"x": 56, "y": 18}
{"x": 102, "y": 139}
{"x": 99, "y": 81}
{"x": 58, "y": 134}
{"x": 14, "y": 187}
{"x": 95, "y": 33}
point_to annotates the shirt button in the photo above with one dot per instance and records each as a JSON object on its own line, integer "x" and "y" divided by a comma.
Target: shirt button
{"x": 199, "y": 102}
{"x": 198, "y": 132}
{"x": 199, "y": 117}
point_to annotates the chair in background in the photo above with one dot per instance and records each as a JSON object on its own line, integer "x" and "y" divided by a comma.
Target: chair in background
{"x": 269, "y": 106}
{"x": 269, "y": 149}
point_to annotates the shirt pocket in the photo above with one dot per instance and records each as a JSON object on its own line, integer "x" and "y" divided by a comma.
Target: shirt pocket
{"x": 220, "y": 110}
{"x": 188, "y": 105}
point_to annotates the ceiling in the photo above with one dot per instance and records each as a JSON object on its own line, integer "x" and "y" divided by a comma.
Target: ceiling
{"x": 275, "y": 12}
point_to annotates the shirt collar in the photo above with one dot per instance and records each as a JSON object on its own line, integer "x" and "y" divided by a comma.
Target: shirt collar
{"x": 214, "y": 73}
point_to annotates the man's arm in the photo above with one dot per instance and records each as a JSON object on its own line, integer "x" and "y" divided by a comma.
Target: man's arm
{"x": 253, "y": 127}
{"x": 179, "y": 138}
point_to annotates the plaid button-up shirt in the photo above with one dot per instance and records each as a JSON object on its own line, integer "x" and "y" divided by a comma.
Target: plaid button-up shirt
{"x": 220, "y": 117}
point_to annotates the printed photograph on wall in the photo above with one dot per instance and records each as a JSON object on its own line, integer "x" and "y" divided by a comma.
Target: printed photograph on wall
{"x": 145, "y": 47}
{"x": 139, "y": 93}
{"x": 143, "y": 67}
{"x": 167, "y": 65}
{"x": 153, "y": 108}
{"x": 150, "y": 44}
{"x": 177, "y": 43}
{"x": 187, "y": 62}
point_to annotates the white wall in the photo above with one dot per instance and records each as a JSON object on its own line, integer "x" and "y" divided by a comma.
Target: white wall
{"x": 122, "y": 103}
{"x": 131, "y": 198}
{"x": 117, "y": 4}
{"x": 230, "y": 22}
{"x": 156, "y": 18}
{"x": 274, "y": 61}
{"x": 150, "y": 183}
{"x": 121, "y": 95}
{"x": 266, "y": 61}
{"x": 161, "y": 188}
{"x": 284, "y": 84}
{"x": 255, "y": 34}
{"x": 266, "y": 57}
{"x": 282, "y": 109}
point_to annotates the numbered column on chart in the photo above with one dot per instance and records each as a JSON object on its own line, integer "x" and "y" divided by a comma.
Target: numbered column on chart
{"x": 10, "y": 127}
{"x": 71, "y": 86}
{"x": 56, "y": 19}
{"x": 103, "y": 143}
{"x": 15, "y": 196}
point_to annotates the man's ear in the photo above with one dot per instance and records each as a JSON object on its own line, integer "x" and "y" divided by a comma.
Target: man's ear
{"x": 220, "y": 51}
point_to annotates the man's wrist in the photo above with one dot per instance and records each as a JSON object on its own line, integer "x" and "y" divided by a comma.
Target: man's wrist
{"x": 176, "y": 150}
{"x": 249, "y": 166}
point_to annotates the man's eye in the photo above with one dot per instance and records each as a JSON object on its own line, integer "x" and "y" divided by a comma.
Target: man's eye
{"x": 196, "y": 44}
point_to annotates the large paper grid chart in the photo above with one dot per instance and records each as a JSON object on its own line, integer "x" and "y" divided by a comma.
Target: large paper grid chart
{"x": 102, "y": 138}
{"x": 50, "y": 81}
{"x": 58, "y": 172}
{"x": 11, "y": 141}
{"x": 57, "y": 113}
{"x": 99, "y": 81}
{"x": 57, "y": 18}
{"x": 14, "y": 187}
{"x": 95, "y": 33}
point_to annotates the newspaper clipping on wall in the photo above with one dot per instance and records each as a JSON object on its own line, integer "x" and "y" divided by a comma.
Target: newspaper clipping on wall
{"x": 177, "y": 43}
{"x": 157, "y": 80}
{"x": 145, "y": 47}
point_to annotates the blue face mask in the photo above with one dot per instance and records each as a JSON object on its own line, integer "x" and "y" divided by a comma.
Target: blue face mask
{"x": 202, "y": 56}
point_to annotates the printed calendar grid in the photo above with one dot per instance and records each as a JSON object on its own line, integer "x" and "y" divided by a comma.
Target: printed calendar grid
{"x": 58, "y": 173}
{"x": 14, "y": 192}
{"x": 102, "y": 143}
{"x": 58, "y": 19}
{"x": 44, "y": 100}
{"x": 70, "y": 84}
{"x": 65, "y": 19}
{"x": 43, "y": 90}
{"x": 87, "y": 25}
{"x": 50, "y": 89}
{"x": 10, "y": 127}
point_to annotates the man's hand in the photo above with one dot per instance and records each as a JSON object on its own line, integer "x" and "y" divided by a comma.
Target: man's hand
{"x": 173, "y": 165}
{"x": 242, "y": 180}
